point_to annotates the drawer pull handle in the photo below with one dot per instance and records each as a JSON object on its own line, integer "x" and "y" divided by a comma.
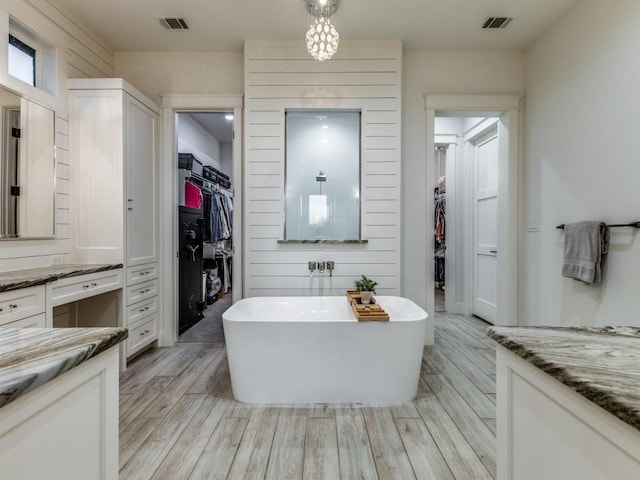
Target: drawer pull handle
{"x": 146, "y": 290}
{"x": 142, "y": 292}
{"x": 1, "y": 309}
{"x": 94, "y": 284}
{"x": 142, "y": 274}
{"x": 146, "y": 331}
{"x": 14, "y": 305}
{"x": 142, "y": 309}
{"x": 85, "y": 286}
{"x": 142, "y": 334}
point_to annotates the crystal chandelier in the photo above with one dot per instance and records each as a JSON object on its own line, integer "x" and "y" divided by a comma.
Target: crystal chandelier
{"x": 322, "y": 36}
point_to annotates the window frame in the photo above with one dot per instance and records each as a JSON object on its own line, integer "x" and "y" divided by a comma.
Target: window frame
{"x": 24, "y": 47}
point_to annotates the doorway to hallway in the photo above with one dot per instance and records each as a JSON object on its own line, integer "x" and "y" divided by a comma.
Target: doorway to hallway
{"x": 205, "y": 204}
{"x": 174, "y": 192}
{"x": 478, "y": 138}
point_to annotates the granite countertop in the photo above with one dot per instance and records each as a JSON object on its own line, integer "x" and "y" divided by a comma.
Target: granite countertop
{"x": 324, "y": 242}
{"x": 16, "y": 279}
{"x": 600, "y": 363}
{"x": 30, "y": 357}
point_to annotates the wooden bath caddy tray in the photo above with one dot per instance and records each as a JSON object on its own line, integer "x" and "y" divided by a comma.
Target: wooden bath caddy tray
{"x": 366, "y": 313}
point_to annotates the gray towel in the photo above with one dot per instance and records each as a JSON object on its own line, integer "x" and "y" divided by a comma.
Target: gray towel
{"x": 585, "y": 247}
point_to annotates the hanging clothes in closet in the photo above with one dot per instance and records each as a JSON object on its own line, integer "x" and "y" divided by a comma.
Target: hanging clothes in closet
{"x": 218, "y": 213}
{"x": 193, "y": 196}
{"x": 440, "y": 230}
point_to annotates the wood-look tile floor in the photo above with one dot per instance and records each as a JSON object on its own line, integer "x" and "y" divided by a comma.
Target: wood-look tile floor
{"x": 178, "y": 420}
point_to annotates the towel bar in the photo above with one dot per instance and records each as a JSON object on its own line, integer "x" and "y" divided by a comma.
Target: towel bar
{"x": 632, "y": 225}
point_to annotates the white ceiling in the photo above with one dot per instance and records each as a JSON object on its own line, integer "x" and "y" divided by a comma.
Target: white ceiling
{"x": 223, "y": 25}
{"x": 216, "y": 124}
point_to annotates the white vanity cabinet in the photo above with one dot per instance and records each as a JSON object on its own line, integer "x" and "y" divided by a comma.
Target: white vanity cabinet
{"x": 71, "y": 289}
{"x": 113, "y": 130}
{"x": 547, "y": 430}
{"x": 23, "y": 308}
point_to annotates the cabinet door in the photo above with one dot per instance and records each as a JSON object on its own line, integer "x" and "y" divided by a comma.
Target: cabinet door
{"x": 140, "y": 156}
{"x": 96, "y": 149}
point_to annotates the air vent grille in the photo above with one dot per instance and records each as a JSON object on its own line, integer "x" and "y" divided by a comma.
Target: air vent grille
{"x": 174, "y": 23}
{"x": 496, "y": 23}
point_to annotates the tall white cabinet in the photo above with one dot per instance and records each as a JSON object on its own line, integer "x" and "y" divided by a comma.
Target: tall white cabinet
{"x": 113, "y": 136}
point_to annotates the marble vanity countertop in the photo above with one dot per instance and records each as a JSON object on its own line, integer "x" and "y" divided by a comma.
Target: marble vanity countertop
{"x": 30, "y": 357}
{"x": 16, "y": 279}
{"x": 600, "y": 363}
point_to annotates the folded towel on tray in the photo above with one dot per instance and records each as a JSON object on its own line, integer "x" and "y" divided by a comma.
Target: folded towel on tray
{"x": 585, "y": 247}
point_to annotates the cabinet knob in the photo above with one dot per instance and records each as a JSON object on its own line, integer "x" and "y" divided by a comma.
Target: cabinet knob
{"x": 142, "y": 292}
{"x": 146, "y": 290}
{"x": 146, "y": 331}
{"x": 142, "y": 309}
{"x": 142, "y": 274}
{"x": 94, "y": 284}
{"x": 85, "y": 286}
{"x": 14, "y": 305}
{"x": 146, "y": 308}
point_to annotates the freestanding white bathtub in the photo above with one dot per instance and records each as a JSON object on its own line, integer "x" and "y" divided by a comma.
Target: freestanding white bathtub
{"x": 313, "y": 350}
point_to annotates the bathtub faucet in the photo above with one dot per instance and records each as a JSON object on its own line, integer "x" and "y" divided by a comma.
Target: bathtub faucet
{"x": 312, "y": 267}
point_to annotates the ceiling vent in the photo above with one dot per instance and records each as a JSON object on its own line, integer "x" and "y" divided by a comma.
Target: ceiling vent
{"x": 496, "y": 23}
{"x": 174, "y": 23}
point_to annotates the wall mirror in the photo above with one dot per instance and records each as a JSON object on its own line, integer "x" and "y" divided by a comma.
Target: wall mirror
{"x": 322, "y": 175}
{"x": 27, "y": 168}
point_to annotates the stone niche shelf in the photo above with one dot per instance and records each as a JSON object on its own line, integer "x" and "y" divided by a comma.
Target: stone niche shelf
{"x": 323, "y": 242}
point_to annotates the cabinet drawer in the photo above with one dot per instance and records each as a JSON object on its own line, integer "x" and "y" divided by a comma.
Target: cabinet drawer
{"x": 141, "y": 291}
{"x": 71, "y": 289}
{"x": 142, "y": 334}
{"x": 37, "y": 321}
{"x": 142, "y": 309}
{"x": 18, "y": 304}
{"x": 142, "y": 273}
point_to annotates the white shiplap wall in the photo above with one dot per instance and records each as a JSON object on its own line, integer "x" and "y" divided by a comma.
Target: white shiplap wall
{"x": 86, "y": 57}
{"x": 280, "y": 76}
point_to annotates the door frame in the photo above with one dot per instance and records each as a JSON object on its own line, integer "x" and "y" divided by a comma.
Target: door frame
{"x": 172, "y": 104}
{"x": 507, "y": 108}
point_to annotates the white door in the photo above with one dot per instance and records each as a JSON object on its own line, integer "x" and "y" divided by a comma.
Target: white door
{"x": 485, "y": 213}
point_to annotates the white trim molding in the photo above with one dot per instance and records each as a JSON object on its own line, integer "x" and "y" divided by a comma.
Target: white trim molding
{"x": 194, "y": 101}
{"x": 487, "y": 104}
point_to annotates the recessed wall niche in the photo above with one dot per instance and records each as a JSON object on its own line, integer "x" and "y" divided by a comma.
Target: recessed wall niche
{"x": 322, "y": 175}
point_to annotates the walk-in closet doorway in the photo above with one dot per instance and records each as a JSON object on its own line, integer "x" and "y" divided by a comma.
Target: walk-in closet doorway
{"x": 198, "y": 110}
{"x": 472, "y": 160}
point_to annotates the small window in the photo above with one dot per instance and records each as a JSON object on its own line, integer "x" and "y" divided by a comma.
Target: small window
{"x": 22, "y": 61}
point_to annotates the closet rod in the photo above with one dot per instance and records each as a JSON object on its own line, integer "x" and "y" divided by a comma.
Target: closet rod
{"x": 210, "y": 182}
{"x": 632, "y": 225}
